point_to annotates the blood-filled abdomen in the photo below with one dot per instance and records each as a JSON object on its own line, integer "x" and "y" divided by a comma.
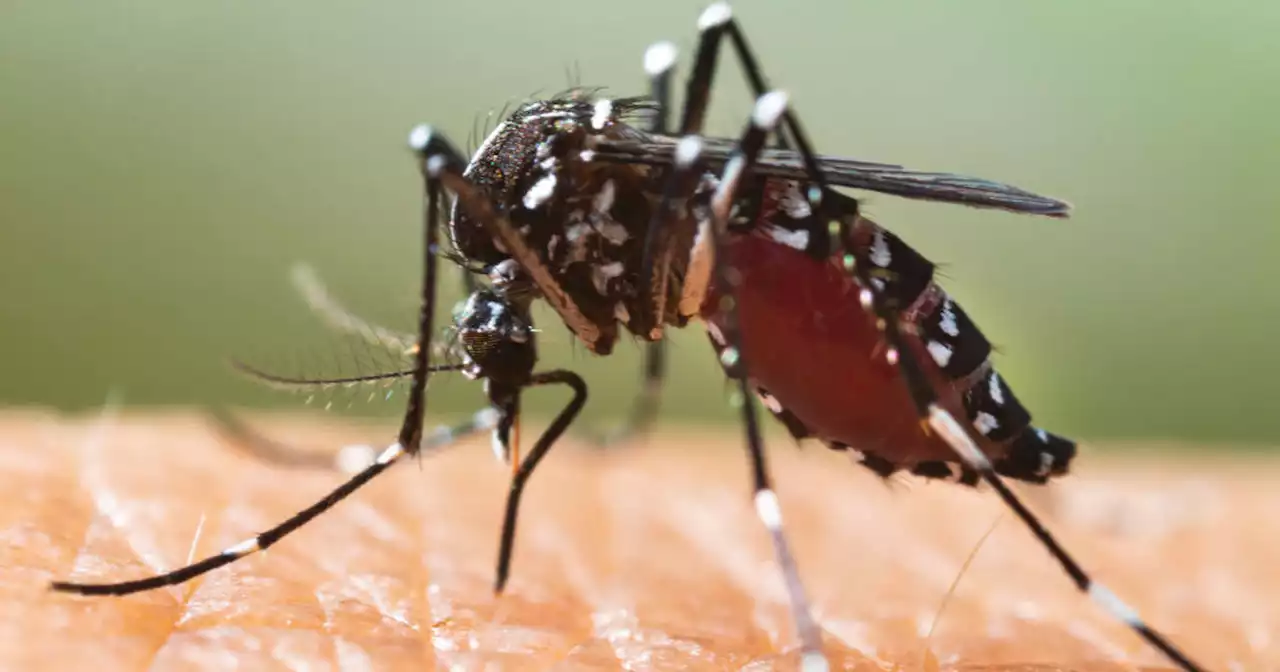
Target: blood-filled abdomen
{"x": 820, "y": 363}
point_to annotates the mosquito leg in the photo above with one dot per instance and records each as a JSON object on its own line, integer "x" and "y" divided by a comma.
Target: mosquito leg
{"x": 442, "y": 436}
{"x": 932, "y": 414}
{"x": 768, "y": 111}
{"x": 659, "y": 62}
{"x": 714, "y": 23}
{"x": 958, "y": 438}
{"x": 548, "y": 438}
{"x": 408, "y": 443}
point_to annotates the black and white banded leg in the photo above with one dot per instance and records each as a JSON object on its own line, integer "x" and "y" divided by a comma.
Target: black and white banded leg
{"x": 764, "y": 119}
{"x": 769, "y": 109}
{"x": 935, "y": 417}
{"x": 716, "y": 21}
{"x": 409, "y": 441}
{"x": 941, "y": 421}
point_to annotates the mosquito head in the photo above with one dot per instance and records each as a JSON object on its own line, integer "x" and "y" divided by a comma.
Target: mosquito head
{"x": 496, "y": 337}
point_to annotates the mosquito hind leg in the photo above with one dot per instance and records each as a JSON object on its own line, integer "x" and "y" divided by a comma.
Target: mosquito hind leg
{"x": 409, "y": 441}
{"x": 764, "y": 119}
{"x": 716, "y": 21}
{"x": 933, "y": 416}
{"x": 659, "y": 63}
{"x": 841, "y": 231}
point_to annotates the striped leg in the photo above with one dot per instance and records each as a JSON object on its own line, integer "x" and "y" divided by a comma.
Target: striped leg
{"x": 409, "y": 441}
{"x": 438, "y": 439}
{"x": 933, "y": 415}
{"x": 768, "y": 111}
{"x": 718, "y": 19}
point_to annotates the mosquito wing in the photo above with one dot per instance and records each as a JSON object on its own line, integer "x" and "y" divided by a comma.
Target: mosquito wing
{"x": 841, "y": 172}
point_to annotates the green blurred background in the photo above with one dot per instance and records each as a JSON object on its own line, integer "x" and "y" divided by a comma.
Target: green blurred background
{"x": 164, "y": 163}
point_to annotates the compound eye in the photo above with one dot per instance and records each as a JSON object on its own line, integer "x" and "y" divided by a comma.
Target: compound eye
{"x": 480, "y": 343}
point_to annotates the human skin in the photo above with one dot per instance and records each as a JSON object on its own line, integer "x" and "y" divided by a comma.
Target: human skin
{"x": 648, "y": 556}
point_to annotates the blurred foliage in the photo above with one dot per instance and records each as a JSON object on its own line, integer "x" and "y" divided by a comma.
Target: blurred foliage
{"x": 164, "y": 163}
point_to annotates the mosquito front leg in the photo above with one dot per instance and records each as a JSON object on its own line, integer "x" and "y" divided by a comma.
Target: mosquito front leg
{"x": 408, "y": 443}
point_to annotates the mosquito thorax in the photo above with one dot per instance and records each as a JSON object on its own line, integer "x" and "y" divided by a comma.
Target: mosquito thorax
{"x": 585, "y": 218}
{"x": 496, "y": 337}
{"x": 522, "y": 163}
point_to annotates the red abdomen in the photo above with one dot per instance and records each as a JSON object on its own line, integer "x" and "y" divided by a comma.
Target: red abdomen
{"x": 820, "y": 363}
{"x": 810, "y": 345}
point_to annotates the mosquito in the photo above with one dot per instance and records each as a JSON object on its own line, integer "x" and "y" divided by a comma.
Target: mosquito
{"x": 591, "y": 205}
